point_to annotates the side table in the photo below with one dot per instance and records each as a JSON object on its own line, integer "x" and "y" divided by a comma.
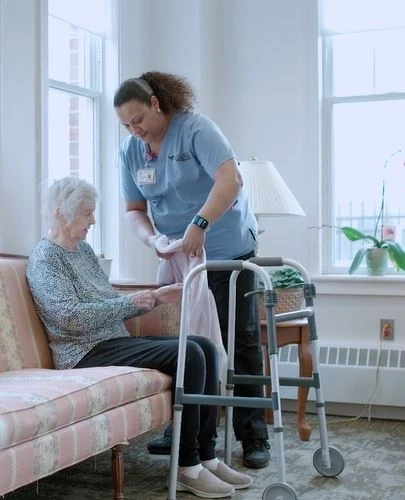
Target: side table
{"x": 292, "y": 332}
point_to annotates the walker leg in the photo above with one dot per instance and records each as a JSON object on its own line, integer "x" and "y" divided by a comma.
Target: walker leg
{"x": 228, "y": 435}
{"x": 174, "y": 457}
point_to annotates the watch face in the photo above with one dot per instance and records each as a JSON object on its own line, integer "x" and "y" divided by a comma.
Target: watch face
{"x": 201, "y": 222}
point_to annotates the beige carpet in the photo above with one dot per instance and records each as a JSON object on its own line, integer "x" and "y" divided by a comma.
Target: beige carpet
{"x": 374, "y": 454}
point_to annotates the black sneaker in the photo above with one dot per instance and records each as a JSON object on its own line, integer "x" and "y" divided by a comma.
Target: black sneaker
{"x": 255, "y": 453}
{"x": 162, "y": 445}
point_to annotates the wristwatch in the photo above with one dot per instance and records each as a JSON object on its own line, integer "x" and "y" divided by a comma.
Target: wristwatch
{"x": 201, "y": 222}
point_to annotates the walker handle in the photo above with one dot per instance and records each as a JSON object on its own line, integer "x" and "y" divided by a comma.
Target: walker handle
{"x": 267, "y": 261}
{"x": 224, "y": 265}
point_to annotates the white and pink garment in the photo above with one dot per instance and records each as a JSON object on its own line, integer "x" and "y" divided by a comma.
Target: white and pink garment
{"x": 202, "y": 317}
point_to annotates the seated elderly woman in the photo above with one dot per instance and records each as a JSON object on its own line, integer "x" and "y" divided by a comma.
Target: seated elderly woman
{"x": 84, "y": 319}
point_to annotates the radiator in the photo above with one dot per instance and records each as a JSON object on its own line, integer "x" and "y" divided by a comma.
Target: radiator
{"x": 352, "y": 374}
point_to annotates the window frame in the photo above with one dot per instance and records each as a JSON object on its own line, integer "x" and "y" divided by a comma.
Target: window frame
{"x": 328, "y": 102}
{"x": 98, "y": 112}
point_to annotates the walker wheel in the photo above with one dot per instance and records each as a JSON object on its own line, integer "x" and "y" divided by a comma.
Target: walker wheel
{"x": 279, "y": 491}
{"x": 337, "y": 463}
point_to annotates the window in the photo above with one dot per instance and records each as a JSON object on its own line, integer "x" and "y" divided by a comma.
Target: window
{"x": 76, "y": 39}
{"x": 363, "y": 120}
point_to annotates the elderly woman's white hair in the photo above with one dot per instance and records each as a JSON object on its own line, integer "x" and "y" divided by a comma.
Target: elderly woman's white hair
{"x": 67, "y": 196}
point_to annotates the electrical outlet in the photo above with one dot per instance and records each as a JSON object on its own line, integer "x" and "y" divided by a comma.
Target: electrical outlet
{"x": 387, "y": 329}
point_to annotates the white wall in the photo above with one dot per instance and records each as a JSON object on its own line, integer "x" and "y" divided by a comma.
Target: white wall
{"x": 165, "y": 36}
{"x": 253, "y": 64}
{"x": 265, "y": 99}
{"x": 240, "y": 57}
{"x": 20, "y": 124}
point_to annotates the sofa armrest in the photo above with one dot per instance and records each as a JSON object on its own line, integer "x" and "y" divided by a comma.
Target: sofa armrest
{"x": 163, "y": 320}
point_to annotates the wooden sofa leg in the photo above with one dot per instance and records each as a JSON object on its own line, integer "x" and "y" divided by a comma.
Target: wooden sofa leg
{"x": 117, "y": 469}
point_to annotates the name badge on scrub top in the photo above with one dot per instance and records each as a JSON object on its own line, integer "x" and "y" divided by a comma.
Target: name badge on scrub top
{"x": 146, "y": 176}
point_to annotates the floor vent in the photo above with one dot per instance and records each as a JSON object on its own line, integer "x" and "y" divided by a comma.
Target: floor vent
{"x": 350, "y": 356}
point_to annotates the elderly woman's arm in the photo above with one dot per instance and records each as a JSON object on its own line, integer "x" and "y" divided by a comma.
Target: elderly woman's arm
{"x": 58, "y": 300}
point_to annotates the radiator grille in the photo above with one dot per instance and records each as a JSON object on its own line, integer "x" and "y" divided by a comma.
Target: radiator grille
{"x": 349, "y": 356}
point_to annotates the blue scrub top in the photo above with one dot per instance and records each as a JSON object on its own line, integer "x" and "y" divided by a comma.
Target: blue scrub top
{"x": 176, "y": 184}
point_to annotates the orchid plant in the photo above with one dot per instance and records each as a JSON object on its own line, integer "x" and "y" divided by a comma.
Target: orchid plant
{"x": 379, "y": 237}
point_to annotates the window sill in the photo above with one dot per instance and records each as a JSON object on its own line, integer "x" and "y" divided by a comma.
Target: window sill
{"x": 336, "y": 284}
{"x": 331, "y": 284}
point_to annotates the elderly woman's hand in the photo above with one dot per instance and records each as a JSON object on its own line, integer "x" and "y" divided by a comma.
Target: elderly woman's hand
{"x": 145, "y": 300}
{"x": 169, "y": 294}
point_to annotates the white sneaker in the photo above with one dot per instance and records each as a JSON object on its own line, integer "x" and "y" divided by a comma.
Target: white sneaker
{"x": 207, "y": 485}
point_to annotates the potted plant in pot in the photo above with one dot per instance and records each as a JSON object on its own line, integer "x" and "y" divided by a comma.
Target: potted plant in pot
{"x": 378, "y": 250}
{"x": 288, "y": 283}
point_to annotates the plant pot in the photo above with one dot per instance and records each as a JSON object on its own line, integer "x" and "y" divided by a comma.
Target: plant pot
{"x": 289, "y": 299}
{"x": 377, "y": 261}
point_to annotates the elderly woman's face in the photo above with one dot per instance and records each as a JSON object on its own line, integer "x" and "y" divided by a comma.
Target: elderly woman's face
{"x": 78, "y": 229}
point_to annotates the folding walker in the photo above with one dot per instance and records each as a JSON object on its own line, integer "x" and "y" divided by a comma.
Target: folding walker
{"x": 327, "y": 460}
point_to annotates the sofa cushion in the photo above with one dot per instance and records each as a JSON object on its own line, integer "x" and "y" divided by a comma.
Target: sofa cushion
{"x": 34, "y": 402}
{"x": 23, "y": 340}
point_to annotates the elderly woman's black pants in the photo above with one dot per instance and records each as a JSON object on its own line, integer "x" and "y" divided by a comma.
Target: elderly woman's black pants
{"x": 198, "y": 427}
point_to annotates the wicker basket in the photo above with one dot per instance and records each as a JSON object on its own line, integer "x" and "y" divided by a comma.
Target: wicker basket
{"x": 289, "y": 299}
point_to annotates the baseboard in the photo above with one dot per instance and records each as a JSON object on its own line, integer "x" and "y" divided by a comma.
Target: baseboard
{"x": 350, "y": 410}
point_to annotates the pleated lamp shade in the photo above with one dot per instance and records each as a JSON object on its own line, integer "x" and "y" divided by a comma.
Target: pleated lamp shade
{"x": 266, "y": 190}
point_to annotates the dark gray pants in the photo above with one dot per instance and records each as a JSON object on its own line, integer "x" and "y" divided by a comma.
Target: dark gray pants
{"x": 198, "y": 428}
{"x": 248, "y": 423}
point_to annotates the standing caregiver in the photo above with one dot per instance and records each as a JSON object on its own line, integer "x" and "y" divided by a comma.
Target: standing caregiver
{"x": 180, "y": 163}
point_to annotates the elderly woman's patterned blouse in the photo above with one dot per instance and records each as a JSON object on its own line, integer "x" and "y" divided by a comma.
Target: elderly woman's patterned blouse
{"x": 75, "y": 300}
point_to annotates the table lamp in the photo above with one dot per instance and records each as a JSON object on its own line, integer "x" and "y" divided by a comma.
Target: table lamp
{"x": 266, "y": 190}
